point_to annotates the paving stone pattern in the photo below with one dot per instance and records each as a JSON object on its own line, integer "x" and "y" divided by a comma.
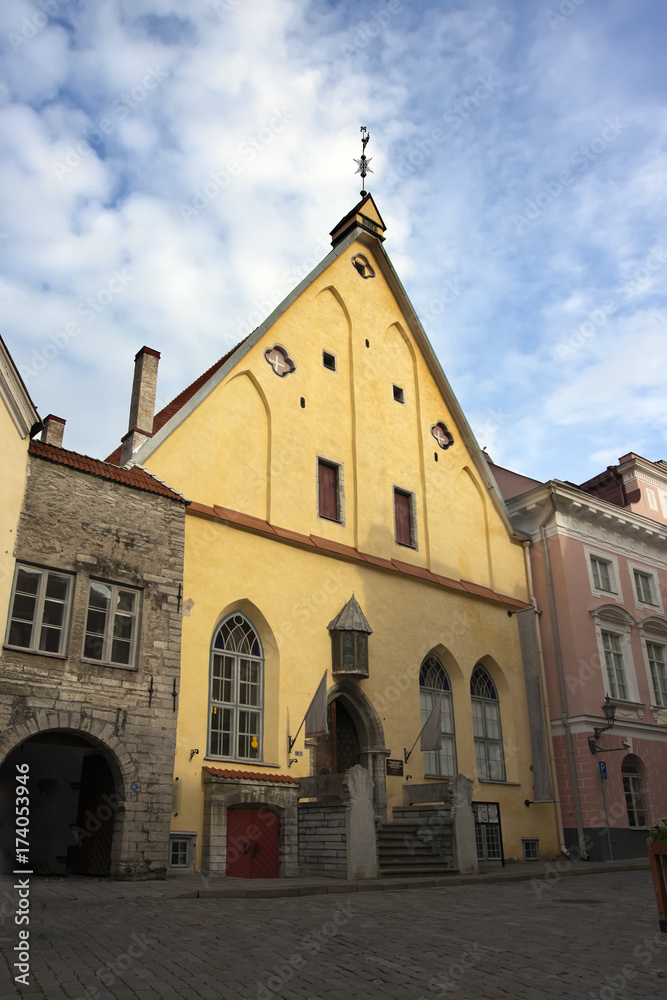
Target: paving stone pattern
{"x": 590, "y": 936}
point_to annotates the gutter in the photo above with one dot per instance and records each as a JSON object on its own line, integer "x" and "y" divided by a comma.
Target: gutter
{"x": 545, "y": 700}
{"x": 561, "y": 679}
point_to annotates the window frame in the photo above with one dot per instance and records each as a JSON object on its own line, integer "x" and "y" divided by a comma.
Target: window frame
{"x": 655, "y": 606}
{"x": 615, "y": 673}
{"x": 189, "y": 838}
{"x": 329, "y": 367}
{"x": 635, "y": 778}
{"x": 618, "y": 623}
{"x": 339, "y": 490}
{"x": 40, "y": 599}
{"x": 612, "y": 561}
{"x": 434, "y": 757}
{"x": 658, "y": 690}
{"x": 108, "y": 637}
{"x": 398, "y": 393}
{"x": 485, "y": 741}
{"x": 412, "y": 516}
{"x": 235, "y": 706}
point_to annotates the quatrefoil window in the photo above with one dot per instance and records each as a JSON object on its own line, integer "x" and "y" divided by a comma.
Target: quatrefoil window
{"x": 279, "y": 360}
{"x": 363, "y": 266}
{"x": 442, "y": 435}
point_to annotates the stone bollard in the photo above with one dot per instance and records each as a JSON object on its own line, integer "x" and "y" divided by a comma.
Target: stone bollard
{"x": 465, "y": 842}
{"x": 362, "y": 859}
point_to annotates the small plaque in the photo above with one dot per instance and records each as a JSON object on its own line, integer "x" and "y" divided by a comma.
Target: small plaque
{"x": 395, "y": 767}
{"x": 134, "y": 787}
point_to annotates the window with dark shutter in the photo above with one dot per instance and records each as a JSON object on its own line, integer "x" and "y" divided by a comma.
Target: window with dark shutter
{"x": 403, "y": 518}
{"x": 327, "y": 479}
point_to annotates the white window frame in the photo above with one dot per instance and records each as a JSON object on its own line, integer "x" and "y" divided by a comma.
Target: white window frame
{"x": 40, "y": 600}
{"x": 234, "y": 705}
{"x": 435, "y": 760}
{"x": 623, "y": 631}
{"x": 657, "y": 606}
{"x": 107, "y": 645}
{"x": 655, "y": 633}
{"x": 612, "y": 561}
{"x": 482, "y": 741}
{"x": 190, "y": 838}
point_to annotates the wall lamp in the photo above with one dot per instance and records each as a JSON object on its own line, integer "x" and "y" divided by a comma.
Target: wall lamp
{"x": 609, "y": 712}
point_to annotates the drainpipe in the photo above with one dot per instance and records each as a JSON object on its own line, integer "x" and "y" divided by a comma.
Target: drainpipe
{"x": 545, "y": 698}
{"x": 561, "y": 679}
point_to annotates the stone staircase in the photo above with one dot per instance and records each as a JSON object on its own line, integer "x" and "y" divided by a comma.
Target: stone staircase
{"x": 419, "y": 841}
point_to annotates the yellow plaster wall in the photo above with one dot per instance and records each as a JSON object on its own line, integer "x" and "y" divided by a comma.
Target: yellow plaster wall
{"x": 290, "y": 603}
{"x": 251, "y": 445}
{"x": 14, "y": 464}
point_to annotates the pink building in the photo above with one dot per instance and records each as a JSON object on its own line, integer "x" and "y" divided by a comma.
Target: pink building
{"x": 599, "y": 567}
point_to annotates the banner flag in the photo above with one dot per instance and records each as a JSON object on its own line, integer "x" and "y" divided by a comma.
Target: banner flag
{"x": 316, "y": 716}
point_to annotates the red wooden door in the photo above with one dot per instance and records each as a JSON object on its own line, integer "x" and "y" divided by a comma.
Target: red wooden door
{"x": 253, "y": 843}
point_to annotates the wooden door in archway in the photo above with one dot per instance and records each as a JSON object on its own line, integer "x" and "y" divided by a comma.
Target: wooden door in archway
{"x": 339, "y": 749}
{"x": 253, "y": 843}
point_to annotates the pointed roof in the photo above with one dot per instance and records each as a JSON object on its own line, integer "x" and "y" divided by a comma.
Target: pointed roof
{"x": 364, "y": 214}
{"x": 180, "y": 408}
{"x": 350, "y": 619}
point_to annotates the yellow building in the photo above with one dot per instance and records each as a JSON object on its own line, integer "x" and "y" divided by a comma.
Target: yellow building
{"x": 18, "y": 419}
{"x": 326, "y": 456}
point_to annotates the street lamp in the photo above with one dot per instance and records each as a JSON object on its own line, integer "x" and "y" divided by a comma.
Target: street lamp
{"x": 609, "y": 712}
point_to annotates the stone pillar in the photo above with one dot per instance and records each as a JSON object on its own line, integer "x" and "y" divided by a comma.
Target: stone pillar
{"x": 362, "y": 859}
{"x": 465, "y": 842}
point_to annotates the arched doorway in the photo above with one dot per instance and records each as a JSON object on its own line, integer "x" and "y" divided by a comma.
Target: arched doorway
{"x": 73, "y": 803}
{"x": 339, "y": 750}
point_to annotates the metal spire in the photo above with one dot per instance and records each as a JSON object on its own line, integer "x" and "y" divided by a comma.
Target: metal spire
{"x": 362, "y": 164}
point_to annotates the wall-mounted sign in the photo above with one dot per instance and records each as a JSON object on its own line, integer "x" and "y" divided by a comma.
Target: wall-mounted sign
{"x": 395, "y": 767}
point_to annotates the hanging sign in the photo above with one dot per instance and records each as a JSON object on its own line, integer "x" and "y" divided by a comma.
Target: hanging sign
{"x": 395, "y": 767}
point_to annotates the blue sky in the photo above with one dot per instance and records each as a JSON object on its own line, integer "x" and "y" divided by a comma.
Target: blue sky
{"x": 171, "y": 168}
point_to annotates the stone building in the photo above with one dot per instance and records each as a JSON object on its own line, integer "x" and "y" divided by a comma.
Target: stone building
{"x": 90, "y": 667}
{"x": 599, "y": 568}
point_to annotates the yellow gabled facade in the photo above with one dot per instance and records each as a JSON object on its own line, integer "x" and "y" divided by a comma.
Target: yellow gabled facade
{"x": 341, "y": 377}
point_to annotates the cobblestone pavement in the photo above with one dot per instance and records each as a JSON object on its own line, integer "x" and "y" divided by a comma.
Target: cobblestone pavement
{"x": 591, "y": 936}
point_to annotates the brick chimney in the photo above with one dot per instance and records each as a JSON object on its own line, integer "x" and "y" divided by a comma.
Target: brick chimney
{"x": 142, "y": 406}
{"x": 54, "y": 428}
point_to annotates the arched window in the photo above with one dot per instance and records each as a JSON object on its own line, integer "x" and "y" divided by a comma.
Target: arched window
{"x": 237, "y": 691}
{"x": 433, "y": 682}
{"x": 486, "y": 726}
{"x": 635, "y": 791}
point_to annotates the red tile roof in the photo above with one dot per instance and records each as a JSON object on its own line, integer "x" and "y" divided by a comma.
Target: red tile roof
{"x": 167, "y": 412}
{"x": 220, "y": 772}
{"x": 136, "y": 477}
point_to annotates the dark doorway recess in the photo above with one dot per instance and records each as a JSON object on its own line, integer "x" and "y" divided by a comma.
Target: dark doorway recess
{"x": 339, "y": 749}
{"x": 253, "y": 842}
{"x": 73, "y": 804}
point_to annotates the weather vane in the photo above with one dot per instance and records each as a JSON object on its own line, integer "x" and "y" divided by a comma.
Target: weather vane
{"x": 362, "y": 164}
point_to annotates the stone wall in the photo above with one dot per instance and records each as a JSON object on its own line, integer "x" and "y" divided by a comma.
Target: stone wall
{"x": 93, "y": 528}
{"x": 323, "y": 839}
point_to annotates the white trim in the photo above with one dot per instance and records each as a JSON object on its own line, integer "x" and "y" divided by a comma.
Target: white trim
{"x": 616, "y": 594}
{"x": 15, "y": 395}
{"x": 614, "y": 626}
{"x": 656, "y": 607}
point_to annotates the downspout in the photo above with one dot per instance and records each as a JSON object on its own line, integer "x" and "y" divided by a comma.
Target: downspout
{"x": 561, "y": 679}
{"x": 545, "y": 699}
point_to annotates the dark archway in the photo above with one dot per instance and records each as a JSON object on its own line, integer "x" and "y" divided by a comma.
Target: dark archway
{"x": 73, "y": 803}
{"x": 339, "y": 750}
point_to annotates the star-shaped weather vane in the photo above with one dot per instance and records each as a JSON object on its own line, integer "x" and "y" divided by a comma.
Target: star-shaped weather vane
{"x": 362, "y": 164}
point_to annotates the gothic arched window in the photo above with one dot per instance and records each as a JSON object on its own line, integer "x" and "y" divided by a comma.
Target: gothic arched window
{"x": 433, "y": 682}
{"x": 237, "y": 691}
{"x": 486, "y": 726}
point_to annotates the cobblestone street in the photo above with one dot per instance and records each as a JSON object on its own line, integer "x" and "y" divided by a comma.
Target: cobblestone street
{"x": 589, "y": 936}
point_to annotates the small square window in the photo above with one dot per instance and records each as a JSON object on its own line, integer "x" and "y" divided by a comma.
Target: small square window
{"x": 603, "y": 575}
{"x": 644, "y": 587}
{"x": 182, "y": 850}
{"x": 531, "y": 849}
{"x": 404, "y": 521}
{"x": 329, "y": 361}
{"x": 399, "y": 394}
